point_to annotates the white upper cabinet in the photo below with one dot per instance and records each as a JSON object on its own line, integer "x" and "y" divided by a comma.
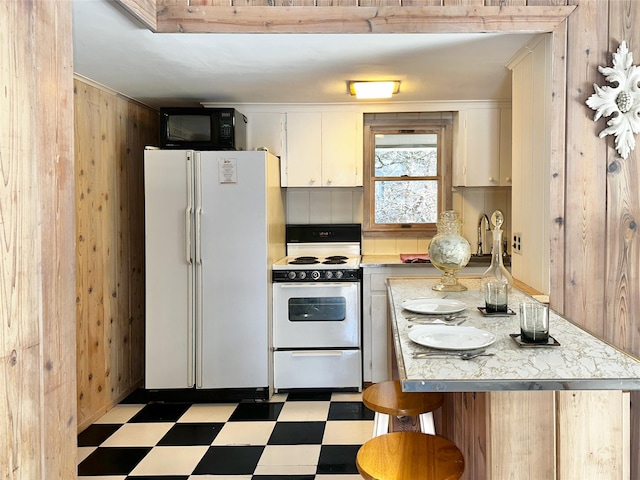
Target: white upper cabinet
{"x": 323, "y": 149}
{"x": 266, "y": 130}
{"x": 483, "y": 157}
{"x": 302, "y": 163}
{"x": 505, "y": 147}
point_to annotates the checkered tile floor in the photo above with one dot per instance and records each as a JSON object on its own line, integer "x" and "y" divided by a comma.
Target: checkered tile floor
{"x": 295, "y": 436}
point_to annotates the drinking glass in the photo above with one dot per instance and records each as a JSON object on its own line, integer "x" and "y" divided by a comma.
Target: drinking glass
{"x": 534, "y": 323}
{"x": 495, "y": 296}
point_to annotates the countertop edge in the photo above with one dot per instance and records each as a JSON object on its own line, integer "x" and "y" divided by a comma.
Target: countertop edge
{"x": 621, "y": 383}
{"x": 519, "y": 385}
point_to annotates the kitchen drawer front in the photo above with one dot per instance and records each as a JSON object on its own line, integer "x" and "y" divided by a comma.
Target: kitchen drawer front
{"x": 317, "y": 369}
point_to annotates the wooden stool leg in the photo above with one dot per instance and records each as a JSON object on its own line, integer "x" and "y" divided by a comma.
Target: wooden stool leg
{"x": 427, "y": 425}
{"x": 388, "y": 401}
{"x": 380, "y": 424}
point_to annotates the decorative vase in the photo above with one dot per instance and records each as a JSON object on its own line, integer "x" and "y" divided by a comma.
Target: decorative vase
{"x": 496, "y": 271}
{"x": 449, "y": 251}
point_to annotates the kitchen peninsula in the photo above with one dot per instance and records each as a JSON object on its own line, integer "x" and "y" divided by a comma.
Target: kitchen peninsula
{"x": 376, "y": 335}
{"x": 548, "y": 413}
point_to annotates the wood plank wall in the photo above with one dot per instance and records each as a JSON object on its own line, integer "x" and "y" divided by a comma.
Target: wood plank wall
{"x": 37, "y": 324}
{"x": 143, "y": 10}
{"x": 622, "y": 254}
{"x": 110, "y": 135}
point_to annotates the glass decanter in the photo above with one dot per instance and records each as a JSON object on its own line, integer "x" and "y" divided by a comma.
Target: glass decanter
{"x": 496, "y": 271}
{"x": 449, "y": 251}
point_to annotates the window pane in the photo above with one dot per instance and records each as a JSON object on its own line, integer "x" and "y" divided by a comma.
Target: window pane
{"x": 406, "y": 155}
{"x": 406, "y": 201}
{"x": 407, "y": 173}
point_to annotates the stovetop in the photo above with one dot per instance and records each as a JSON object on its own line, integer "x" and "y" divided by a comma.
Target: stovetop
{"x": 318, "y": 262}
{"x": 320, "y": 253}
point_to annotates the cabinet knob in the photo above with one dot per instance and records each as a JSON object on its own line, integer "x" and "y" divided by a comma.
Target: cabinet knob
{"x": 508, "y": 179}
{"x": 491, "y": 179}
{"x": 313, "y": 180}
{"x": 330, "y": 181}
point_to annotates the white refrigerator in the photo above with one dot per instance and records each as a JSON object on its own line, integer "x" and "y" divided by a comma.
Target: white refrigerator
{"x": 214, "y": 225}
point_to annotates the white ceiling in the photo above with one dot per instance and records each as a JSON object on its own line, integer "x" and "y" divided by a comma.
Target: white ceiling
{"x": 172, "y": 69}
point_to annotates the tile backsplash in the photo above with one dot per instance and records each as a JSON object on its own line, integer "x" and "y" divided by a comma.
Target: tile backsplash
{"x": 324, "y": 205}
{"x": 344, "y": 205}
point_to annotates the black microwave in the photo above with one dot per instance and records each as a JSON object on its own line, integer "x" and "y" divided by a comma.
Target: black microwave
{"x": 193, "y": 128}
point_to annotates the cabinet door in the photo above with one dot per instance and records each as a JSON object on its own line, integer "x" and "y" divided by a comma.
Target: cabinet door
{"x": 303, "y": 163}
{"x": 481, "y": 152}
{"x": 341, "y": 149}
{"x": 380, "y": 345}
{"x": 324, "y": 149}
{"x": 266, "y": 129}
{"x": 505, "y": 147}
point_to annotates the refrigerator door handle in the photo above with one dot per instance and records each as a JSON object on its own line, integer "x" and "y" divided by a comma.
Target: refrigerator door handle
{"x": 189, "y": 210}
{"x": 197, "y": 236}
{"x": 198, "y": 323}
{"x": 187, "y": 240}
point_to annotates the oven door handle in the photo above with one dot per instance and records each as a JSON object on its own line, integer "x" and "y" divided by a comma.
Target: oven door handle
{"x": 318, "y": 353}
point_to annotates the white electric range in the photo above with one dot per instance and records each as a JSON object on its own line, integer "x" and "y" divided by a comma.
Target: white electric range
{"x": 316, "y": 309}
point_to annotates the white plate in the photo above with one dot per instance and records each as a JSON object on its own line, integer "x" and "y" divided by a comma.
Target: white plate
{"x": 445, "y": 337}
{"x": 440, "y": 306}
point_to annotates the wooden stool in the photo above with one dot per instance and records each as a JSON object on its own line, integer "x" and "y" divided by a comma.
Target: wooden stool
{"x": 409, "y": 456}
{"x": 387, "y": 398}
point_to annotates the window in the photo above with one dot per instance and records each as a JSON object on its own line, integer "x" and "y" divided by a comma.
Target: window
{"x": 407, "y": 172}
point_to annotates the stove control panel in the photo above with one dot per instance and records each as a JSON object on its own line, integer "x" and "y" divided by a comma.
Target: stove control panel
{"x": 336, "y": 275}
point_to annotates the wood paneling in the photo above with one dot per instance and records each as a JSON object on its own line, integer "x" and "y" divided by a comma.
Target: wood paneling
{"x": 585, "y": 220}
{"x": 471, "y": 432}
{"x": 622, "y": 308}
{"x": 111, "y": 133}
{"x": 20, "y": 390}
{"x": 593, "y": 424}
{"x": 522, "y": 426}
{"x": 38, "y": 427}
{"x": 143, "y": 10}
{"x": 557, "y": 168}
{"x": 363, "y": 19}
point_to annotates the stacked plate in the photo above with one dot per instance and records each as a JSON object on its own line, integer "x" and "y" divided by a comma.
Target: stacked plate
{"x": 438, "y": 306}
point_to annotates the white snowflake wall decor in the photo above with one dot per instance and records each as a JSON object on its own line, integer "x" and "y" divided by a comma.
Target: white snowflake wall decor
{"x": 621, "y": 99}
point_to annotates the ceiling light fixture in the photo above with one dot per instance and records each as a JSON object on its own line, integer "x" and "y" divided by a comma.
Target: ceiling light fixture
{"x": 374, "y": 89}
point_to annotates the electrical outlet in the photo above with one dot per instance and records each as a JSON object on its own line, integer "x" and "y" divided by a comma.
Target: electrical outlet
{"x": 516, "y": 245}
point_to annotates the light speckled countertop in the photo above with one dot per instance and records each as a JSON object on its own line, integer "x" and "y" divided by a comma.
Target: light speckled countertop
{"x": 383, "y": 260}
{"x": 581, "y": 362}
{"x": 393, "y": 260}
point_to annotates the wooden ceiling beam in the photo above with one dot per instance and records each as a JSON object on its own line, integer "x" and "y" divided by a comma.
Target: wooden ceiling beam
{"x": 145, "y": 11}
{"x": 261, "y": 19}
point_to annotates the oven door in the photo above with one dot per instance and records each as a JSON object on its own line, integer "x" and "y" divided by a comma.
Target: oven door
{"x": 316, "y": 315}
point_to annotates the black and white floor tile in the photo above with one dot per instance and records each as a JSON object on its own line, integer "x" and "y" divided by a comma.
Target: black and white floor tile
{"x": 294, "y": 436}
